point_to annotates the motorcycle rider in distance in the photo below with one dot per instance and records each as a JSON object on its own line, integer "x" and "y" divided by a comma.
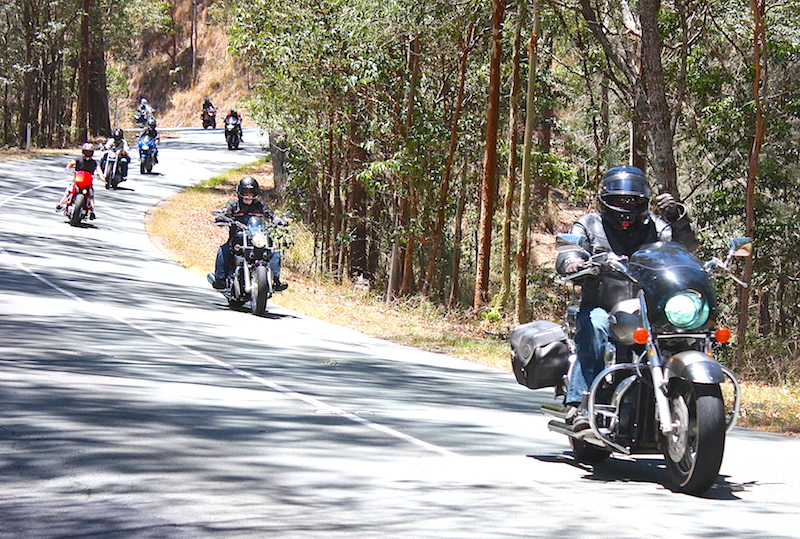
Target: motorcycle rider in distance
{"x": 86, "y": 162}
{"x": 117, "y": 143}
{"x": 152, "y": 132}
{"x": 241, "y": 209}
{"x": 623, "y": 224}
{"x": 234, "y": 114}
{"x": 207, "y": 104}
{"x": 145, "y": 110}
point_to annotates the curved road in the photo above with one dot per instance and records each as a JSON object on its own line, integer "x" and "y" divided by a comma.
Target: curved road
{"x": 134, "y": 403}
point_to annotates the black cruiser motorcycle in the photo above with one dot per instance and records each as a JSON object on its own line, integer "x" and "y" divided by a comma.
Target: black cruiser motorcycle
{"x": 250, "y": 279}
{"x": 661, "y": 389}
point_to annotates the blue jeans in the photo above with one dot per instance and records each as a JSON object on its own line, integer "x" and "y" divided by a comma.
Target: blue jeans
{"x": 225, "y": 262}
{"x": 591, "y": 337}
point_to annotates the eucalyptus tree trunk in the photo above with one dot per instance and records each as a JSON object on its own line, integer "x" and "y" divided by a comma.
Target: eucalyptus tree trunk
{"x": 511, "y": 176}
{"x": 82, "y": 112}
{"x": 455, "y": 275}
{"x": 99, "y": 118}
{"x": 653, "y": 108}
{"x": 640, "y": 64}
{"x": 525, "y": 192}
{"x": 759, "y": 96}
{"x": 401, "y": 253}
{"x": 489, "y": 178}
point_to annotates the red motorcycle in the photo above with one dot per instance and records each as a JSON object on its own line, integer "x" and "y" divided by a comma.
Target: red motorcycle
{"x": 80, "y": 199}
{"x": 209, "y": 117}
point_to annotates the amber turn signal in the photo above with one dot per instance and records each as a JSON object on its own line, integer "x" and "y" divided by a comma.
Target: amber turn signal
{"x": 722, "y": 334}
{"x": 641, "y": 336}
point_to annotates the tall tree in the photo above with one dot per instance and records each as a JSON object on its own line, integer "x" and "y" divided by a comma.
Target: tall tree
{"x": 758, "y": 8}
{"x": 489, "y": 178}
{"x": 513, "y": 165}
{"x": 527, "y": 166}
{"x": 633, "y": 47}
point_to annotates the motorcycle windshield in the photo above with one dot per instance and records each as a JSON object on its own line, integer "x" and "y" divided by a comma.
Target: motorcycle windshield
{"x": 665, "y": 270}
{"x": 146, "y": 140}
{"x": 256, "y": 224}
{"x": 230, "y": 121}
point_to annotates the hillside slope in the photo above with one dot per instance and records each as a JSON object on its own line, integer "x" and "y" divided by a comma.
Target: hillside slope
{"x": 169, "y": 88}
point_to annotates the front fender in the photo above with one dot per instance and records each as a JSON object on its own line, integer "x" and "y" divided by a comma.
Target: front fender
{"x": 694, "y": 366}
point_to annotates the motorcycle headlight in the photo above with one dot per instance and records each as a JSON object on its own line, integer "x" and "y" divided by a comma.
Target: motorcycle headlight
{"x": 687, "y": 310}
{"x": 260, "y": 240}
{"x": 145, "y": 147}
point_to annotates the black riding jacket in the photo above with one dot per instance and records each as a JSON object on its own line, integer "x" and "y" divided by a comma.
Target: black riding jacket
{"x": 235, "y": 210}
{"x": 603, "y": 290}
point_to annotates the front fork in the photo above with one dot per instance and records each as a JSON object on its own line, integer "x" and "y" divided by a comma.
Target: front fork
{"x": 656, "y": 372}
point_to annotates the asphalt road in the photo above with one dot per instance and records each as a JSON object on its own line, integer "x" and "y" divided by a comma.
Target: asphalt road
{"x": 134, "y": 403}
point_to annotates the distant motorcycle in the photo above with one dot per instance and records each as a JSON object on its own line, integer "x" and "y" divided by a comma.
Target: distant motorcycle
{"x": 209, "y": 117}
{"x": 147, "y": 154}
{"x": 251, "y": 279}
{"x": 232, "y": 136}
{"x": 142, "y": 115}
{"x": 661, "y": 389}
{"x": 116, "y": 167}
{"x": 79, "y": 204}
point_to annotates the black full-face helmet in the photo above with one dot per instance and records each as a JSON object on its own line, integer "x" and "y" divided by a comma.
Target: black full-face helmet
{"x": 87, "y": 149}
{"x": 151, "y": 123}
{"x": 248, "y": 185}
{"x": 624, "y": 196}
{"x": 118, "y": 133}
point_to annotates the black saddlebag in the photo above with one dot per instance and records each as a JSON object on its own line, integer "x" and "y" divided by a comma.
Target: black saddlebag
{"x": 539, "y": 354}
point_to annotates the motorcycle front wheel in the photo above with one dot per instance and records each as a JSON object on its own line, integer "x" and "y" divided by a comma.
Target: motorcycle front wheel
{"x": 693, "y": 451}
{"x": 77, "y": 209}
{"x": 260, "y": 290}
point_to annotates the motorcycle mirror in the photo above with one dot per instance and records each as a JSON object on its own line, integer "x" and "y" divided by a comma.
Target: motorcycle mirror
{"x": 566, "y": 243}
{"x": 742, "y": 246}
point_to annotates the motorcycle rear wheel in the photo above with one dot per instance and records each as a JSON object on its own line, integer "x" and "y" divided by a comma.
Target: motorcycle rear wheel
{"x": 693, "y": 452}
{"x": 260, "y": 291}
{"x": 77, "y": 209}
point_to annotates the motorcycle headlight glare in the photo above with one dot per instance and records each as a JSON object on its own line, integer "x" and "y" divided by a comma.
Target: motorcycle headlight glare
{"x": 260, "y": 240}
{"x": 145, "y": 147}
{"x": 687, "y": 310}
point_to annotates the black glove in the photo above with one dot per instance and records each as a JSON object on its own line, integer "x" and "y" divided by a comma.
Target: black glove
{"x": 668, "y": 207}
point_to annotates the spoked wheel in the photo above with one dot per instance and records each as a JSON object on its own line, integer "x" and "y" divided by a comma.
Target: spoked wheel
{"x": 588, "y": 453}
{"x": 260, "y": 291}
{"x": 77, "y": 209}
{"x": 693, "y": 452}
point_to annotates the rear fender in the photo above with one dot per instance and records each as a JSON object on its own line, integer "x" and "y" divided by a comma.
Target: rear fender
{"x": 694, "y": 366}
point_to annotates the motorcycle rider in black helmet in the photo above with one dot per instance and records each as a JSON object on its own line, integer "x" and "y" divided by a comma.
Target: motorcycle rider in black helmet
{"x": 245, "y": 205}
{"x": 117, "y": 143}
{"x": 623, "y": 224}
{"x": 152, "y": 132}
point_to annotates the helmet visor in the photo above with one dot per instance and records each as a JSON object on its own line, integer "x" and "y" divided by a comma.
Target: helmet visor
{"x": 626, "y": 203}
{"x": 626, "y": 184}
